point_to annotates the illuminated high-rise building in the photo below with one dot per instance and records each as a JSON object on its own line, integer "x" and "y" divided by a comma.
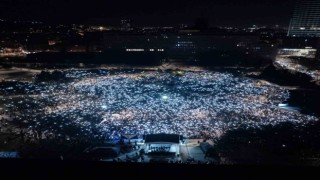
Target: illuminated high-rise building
{"x": 306, "y": 19}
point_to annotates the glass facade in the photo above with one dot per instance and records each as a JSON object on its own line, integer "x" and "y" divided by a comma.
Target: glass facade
{"x": 306, "y": 19}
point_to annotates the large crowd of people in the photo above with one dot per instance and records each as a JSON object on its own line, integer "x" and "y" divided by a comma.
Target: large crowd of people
{"x": 106, "y": 104}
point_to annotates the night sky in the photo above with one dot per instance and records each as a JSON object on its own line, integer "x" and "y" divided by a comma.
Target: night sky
{"x": 147, "y": 12}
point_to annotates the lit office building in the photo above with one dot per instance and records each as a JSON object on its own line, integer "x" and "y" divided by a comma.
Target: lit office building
{"x": 306, "y": 19}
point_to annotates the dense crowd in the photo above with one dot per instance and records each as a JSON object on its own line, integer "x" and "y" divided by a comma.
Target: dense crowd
{"x": 106, "y": 104}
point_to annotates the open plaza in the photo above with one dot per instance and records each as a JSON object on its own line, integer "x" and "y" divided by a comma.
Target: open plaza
{"x": 106, "y": 104}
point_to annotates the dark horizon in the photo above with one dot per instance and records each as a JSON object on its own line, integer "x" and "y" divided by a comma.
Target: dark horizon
{"x": 218, "y": 12}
